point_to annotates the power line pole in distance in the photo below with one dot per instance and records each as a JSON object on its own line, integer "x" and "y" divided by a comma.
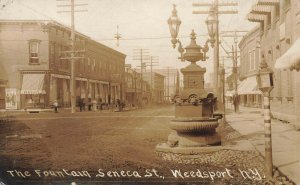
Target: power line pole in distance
{"x": 153, "y": 62}
{"x": 141, "y": 55}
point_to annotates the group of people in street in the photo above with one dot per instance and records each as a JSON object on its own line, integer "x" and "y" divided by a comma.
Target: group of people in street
{"x": 94, "y": 105}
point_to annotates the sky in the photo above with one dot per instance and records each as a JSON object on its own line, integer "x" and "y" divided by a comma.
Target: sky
{"x": 142, "y": 24}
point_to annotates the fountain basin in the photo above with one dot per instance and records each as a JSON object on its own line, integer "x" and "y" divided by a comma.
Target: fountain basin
{"x": 197, "y": 126}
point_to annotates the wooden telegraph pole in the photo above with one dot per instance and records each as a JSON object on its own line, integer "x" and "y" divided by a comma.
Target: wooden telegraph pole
{"x": 235, "y": 36}
{"x": 71, "y": 57}
{"x": 153, "y": 62}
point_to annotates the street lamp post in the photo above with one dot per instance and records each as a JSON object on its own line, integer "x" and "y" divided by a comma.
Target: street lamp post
{"x": 265, "y": 83}
{"x": 174, "y": 23}
{"x": 194, "y": 123}
{"x": 212, "y": 23}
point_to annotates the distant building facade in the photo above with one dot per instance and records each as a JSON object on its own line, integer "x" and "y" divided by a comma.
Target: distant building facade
{"x": 170, "y": 81}
{"x": 36, "y": 68}
{"x": 279, "y": 23}
{"x": 249, "y": 65}
{"x": 137, "y": 89}
{"x": 156, "y": 82}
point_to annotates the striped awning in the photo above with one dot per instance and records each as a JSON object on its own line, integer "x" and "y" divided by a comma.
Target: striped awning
{"x": 291, "y": 58}
{"x": 248, "y": 86}
{"x": 261, "y": 9}
{"x": 253, "y": 17}
{"x": 268, "y": 2}
{"x": 33, "y": 84}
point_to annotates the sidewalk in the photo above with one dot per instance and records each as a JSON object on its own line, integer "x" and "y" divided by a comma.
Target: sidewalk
{"x": 285, "y": 139}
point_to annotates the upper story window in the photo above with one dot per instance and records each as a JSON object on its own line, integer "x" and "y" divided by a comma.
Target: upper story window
{"x": 94, "y": 65}
{"x": 34, "y": 51}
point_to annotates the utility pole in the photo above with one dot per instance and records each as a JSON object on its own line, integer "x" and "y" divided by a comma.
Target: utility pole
{"x": 168, "y": 84}
{"x": 215, "y": 9}
{"x": 177, "y": 89}
{"x": 222, "y": 74}
{"x": 118, "y": 36}
{"x": 235, "y": 36}
{"x": 152, "y": 63}
{"x": 72, "y": 52}
{"x": 141, "y": 55}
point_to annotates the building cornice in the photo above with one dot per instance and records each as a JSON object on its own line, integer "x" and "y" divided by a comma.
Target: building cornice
{"x": 52, "y": 23}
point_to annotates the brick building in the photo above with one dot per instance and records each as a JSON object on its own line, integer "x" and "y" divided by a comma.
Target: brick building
{"x": 35, "y": 68}
{"x": 279, "y": 31}
{"x": 137, "y": 89}
{"x": 249, "y": 65}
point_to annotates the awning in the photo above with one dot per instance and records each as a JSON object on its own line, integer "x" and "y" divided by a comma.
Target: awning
{"x": 253, "y": 17}
{"x": 98, "y": 81}
{"x": 248, "y": 86}
{"x": 263, "y": 9}
{"x": 81, "y": 79}
{"x": 268, "y": 2}
{"x": 291, "y": 58}
{"x": 60, "y": 76}
{"x": 33, "y": 84}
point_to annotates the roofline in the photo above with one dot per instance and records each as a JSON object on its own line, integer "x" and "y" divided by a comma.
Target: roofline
{"x": 56, "y": 23}
{"x": 252, "y": 31}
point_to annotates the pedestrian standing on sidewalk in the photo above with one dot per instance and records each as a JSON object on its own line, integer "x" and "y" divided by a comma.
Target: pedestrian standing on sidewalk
{"x": 55, "y": 106}
{"x": 80, "y": 105}
{"x": 236, "y": 101}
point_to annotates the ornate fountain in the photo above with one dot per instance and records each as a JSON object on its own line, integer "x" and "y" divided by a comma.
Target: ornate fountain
{"x": 194, "y": 124}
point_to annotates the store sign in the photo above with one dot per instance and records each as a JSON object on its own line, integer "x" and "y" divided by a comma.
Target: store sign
{"x": 11, "y": 96}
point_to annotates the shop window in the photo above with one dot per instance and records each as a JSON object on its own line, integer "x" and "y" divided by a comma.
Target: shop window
{"x": 34, "y": 51}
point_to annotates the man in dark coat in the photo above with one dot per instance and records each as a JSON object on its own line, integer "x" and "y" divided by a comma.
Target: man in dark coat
{"x": 236, "y": 102}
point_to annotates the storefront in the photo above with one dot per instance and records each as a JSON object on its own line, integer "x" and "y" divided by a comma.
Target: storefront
{"x": 250, "y": 96}
{"x": 33, "y": 92}
{"x": 60, "y": 89}
{"x": 290, "y": 106}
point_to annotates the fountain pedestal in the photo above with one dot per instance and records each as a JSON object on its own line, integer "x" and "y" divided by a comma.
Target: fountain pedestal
{"x": 194, "y": 125}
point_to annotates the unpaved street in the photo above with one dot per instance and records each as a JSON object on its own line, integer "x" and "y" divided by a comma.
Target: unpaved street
{"x": 88, "y": 141}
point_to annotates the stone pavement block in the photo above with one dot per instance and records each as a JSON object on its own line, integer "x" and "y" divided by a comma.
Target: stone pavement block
{"x": 281, "y": 143}
{"x": 284, "y": 158}
{"x": 292, "y": 171}
{"x": 279, "y": 127}
{"x": 285, "y": 140}
{"x": 246, "y": 127}
{"x": 292, "y": 135}
{"x": 241, "y": 145}
{"x": 258, "y": 142}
